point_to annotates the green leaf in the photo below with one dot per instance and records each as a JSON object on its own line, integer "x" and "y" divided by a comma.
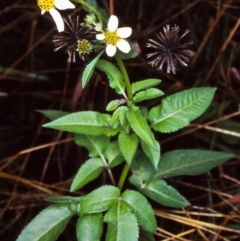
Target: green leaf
{"x": 48, "y": 224}
{"x": 147, "y": 94}
{"x": 113, "y": 154}
{"x": 140, "y": 126}
{"x": 138, "y": 203}
{"x": 190, "y": 162}
{"x": 114, "y": 75}
{"x": 128, "y": 144}
{"x": 53, "y": 114}
{"x": 85, "y": 122}
{"x": 99, "y": 200}
{"x": 164, "y": 194}
{"x": 143, "y": 168}
{"x": 63, "y": 199}
{"x": 176, "y": 111}
{"x": 90, "y": 170}
{"x": 90, "y": 227}
{"x": 122, "y": 224}
{"x": 152, "y": 154}
{"x": 144, "y": 84}
{"x": 88, "y": 71}
{"x": 96, "y": 145}
{"x": 113, "y": 105}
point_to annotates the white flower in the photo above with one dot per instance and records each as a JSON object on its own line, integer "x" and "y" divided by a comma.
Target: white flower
{"x": 114, "y": 37}
{"x": 49, "y": 6}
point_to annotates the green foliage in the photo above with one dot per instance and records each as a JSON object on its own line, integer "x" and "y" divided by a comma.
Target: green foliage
{"x": 190, "y": 162}
{"x": 86, "y": 122}
{"x": 144, "y": 84}
{"x": 148, "y": 94}
{"x": 122, "y": 223}
{"x": 88, "y": 71}
{"x": 137, "y": 202}
{"x": 114, "y": 75}
{"x": 90, "y": 170}
{"x": 48, "y": 224}
{"x": 99, "y": 200}
{"x": 176, "y": 111}
{"x": 90, "y": 227}
{"x": 128, "y": 144}
{"x": 140, "y": 126}
{"x": 114, "y": 139}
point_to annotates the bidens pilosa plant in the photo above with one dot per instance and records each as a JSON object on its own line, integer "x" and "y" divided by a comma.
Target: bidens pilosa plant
{"x": 125, "y": 134}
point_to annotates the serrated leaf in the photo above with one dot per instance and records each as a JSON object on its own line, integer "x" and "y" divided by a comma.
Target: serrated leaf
{"x": 88, "y": 71}
{"x": 114, "y": 75}
{"x": 113, "y": 154}
{"x": 122, "y": 224}
{"x": 128, "y": 144}
{"x": 114, "y": 104}
{"x": 85, "y": 122}
{"x": 96, "y": 145}
{"x": 152, "y": 154}
{"x": 138, "y": 203}
{"x": 190, "y": 162}
{"x": 140, "y": 127}
{"x": 53, "y": 114}
{"x": 48, "y": 224}
{"x": 147, "y": 94}
{"x": 90, "y": 227}
{"x": 144, "y": 84}
{"x": 176, "y": 111}
{"x": 164, "y": 194}
{"x": 143, "y": 168}
{"x": 90, "y": 170}
{"x": 99, "y": 200}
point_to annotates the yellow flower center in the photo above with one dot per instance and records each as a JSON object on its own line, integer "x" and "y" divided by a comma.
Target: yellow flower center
{"x": 46, "y": 5}
{"x": 84, "y": 46}
{"x": 111, "y": 38}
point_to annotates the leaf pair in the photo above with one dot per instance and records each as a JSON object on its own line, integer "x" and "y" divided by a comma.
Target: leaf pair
{"x": 174, "y": 163}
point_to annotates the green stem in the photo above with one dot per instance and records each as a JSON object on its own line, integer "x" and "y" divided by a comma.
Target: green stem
{"x": 129, "y": 95}
{"x": 123, "y": 176}
{"x": 125, "y": 77}
{"x": 100, "y": 18}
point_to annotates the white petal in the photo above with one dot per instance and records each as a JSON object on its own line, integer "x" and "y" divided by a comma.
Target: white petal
{"x": 63, "y": 4}
{"x": 124, "y": 32}
{"x": 113, "y": 23}
{"x": 58, "y": 19}
{"x": 100, "y": 36}
{"x": 123, "y": 45}
{"x": 43, "y": 11}
{"x": 111, "y": 50}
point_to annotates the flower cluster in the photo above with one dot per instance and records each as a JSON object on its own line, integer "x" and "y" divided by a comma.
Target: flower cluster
{"x": 169, "y": 50}
{"x": 75, "y": 38}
